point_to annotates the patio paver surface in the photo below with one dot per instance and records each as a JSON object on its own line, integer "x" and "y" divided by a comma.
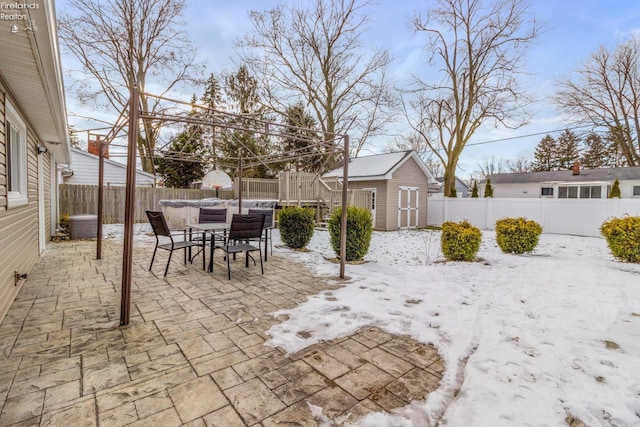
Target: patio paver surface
{"x": 193, "y": 353}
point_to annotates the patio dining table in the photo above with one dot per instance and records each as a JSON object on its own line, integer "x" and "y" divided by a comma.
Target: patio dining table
{"x": 209, "y": 228}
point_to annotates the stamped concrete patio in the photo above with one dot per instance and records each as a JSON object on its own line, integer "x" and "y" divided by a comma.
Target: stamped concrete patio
{"x": 194, "y": 352}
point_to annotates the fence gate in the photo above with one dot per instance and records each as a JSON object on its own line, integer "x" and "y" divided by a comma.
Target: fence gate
{"x": 408, "y": 207}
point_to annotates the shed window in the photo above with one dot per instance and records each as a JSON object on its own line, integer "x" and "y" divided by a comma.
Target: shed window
{"x": 16, "y": 137}
{"x": 636, "y": 190}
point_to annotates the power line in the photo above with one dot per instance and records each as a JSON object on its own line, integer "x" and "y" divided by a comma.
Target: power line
{"x": 528, "y": 135}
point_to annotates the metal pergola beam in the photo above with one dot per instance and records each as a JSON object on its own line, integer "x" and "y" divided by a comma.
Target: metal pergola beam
{"x": 134, "y": 116}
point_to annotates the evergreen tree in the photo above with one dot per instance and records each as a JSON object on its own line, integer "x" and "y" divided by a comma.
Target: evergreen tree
{"x": 597, "y": 152}
{"x": 617, "y": 147}
{"x": 615, "y": 190}
{"x": 488, "y": 189}
{"x": 213, "y": 95}
{"x": 545, "y": 156}
{"x": 474, "y": 192}
{"x": 241, "y": 90}
{"x": 567, "y": 149}
{"x": 297, "y": 141}
{"x": 180, "y": 164}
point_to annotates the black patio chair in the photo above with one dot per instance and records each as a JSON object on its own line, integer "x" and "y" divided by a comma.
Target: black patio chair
{"x": 268, "y": 227}
{"x": 161, "y": 230}
{"x": 206, "y": 216}
{"x": 244, "y": 228}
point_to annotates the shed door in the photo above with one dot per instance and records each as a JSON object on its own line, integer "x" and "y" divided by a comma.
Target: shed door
{"x": 373, "y": 204}
{"x": 408, "y": 207}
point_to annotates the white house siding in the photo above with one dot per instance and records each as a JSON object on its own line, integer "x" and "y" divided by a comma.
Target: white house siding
{"x": 524, "y": 190}
{"x": 18, "y": 226}
{"x": 533, "y": 189}
{"x": 85, "y": 171}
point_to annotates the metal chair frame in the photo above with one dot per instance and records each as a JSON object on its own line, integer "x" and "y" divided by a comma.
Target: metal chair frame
{"x": 161, "y": 229}
{"x": 244, "y": 228}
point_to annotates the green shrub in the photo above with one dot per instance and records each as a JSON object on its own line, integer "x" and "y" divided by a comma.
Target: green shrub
{"x": 359, "y": 229}
{"x": 296, "y": 226}
{"x": 474, "y": 192}
{"x": 623, "y": 237}
{"x": 615, "y": 190}
{"x": 488, "y": 189}
{"x": 64, "y": 223}
{"x": 517, "y": 235}
{"x": 460, "y": 241}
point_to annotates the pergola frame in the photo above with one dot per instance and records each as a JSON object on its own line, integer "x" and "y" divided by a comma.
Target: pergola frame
{"x": 217, "y": 119}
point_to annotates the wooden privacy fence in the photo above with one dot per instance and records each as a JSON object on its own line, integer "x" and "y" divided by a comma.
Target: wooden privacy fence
{"x": 289, "y": 189}
{"x": 83, "y": 199}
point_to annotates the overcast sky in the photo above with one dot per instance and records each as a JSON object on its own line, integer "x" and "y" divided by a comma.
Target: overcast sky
{"x": 575, "y": 29}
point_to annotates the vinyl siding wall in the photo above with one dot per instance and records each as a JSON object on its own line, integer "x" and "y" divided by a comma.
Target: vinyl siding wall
{"x": 381, "y": 200}
{"x": 19, "y": 225}
{"x": 410, "y": 175}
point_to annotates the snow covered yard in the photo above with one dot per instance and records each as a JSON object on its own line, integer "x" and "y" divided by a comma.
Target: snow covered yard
{"x": 527, "y": 339}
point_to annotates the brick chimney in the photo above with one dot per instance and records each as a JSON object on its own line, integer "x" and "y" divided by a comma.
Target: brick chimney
{"x": 576, "y": 168}
{"x": 94, "y": 145}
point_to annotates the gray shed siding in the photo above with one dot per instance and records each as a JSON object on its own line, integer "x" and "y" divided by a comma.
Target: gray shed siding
{"x": 381, "y": 200}
{"x": 410, "y": 175}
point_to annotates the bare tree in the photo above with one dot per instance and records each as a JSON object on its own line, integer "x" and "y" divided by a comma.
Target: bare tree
{"x": 314, "y": 54}
{"x": 490, "y": 166}
{"x": 121, "y": 43}
{"x": 479, "y": 48}
{"x": 606, "y": 92}
{"x": 519, "y": 164}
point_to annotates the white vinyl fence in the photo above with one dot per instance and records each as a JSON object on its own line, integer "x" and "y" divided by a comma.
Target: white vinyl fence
{"x": 581, "y": 217}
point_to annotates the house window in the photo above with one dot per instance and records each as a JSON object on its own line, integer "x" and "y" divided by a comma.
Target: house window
{"x": 636, "y": 190}
{"x": 567, "y": 192}
{"x": 547, "y": 191}
{"x": 591, "y": 192}
{"x": 16, "y": 140}
{"x": 582, "y": 192}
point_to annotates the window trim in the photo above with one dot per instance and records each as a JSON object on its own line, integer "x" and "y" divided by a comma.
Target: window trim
{"x": 16, "y": 160}
{"x": 565, "y": 191}
{"x": 542, "y": 191}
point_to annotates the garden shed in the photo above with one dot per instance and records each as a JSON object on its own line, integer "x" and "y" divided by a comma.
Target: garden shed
{"x": 399, "y": 184}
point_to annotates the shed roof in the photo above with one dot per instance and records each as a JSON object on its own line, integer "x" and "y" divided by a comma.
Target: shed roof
{"x": 603, "y": 174}
{"x": 378, "y": 166}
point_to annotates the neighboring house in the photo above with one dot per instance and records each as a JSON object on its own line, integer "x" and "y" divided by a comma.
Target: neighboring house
{"x": 575, "y": 183}
{"x": 462, "y": 190}
{"x": 399, "y": 183}
{"x": 33, "y": 142}
{"x": 83, "y": 170}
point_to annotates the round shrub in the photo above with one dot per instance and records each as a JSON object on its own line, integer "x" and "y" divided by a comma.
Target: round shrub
{"x": 517, "y": 235}
{"x": 623, "y": 237}
{"x": 359, "y": 229}
{"x": 460, "y": 241}
{"x": 296, "y": 226}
